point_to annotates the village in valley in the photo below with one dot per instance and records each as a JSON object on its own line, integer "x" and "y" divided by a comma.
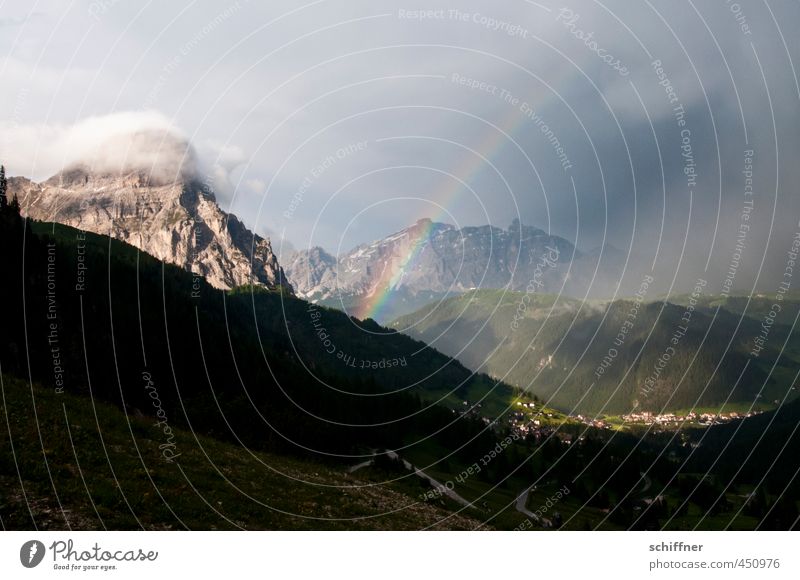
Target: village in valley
{"x": 529, "y": 417}
{"x": 680, "y": 419}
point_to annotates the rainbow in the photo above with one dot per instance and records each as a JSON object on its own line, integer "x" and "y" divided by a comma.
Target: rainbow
{"x": 374, "y": 303}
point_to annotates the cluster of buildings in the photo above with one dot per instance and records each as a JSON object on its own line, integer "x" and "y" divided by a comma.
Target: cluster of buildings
{"x": 671, "y": 419}
{"x": 527, "y": 423}
{"x": 593, "y": 422}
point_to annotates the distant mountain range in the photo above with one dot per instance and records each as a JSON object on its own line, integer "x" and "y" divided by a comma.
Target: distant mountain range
{"x": 430, "y": 261}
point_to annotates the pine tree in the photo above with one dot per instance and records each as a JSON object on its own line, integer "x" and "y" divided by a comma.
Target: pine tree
{"x": 3, "y": 188}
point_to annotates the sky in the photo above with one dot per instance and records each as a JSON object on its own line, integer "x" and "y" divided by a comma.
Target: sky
{"x": 667, "y": 129}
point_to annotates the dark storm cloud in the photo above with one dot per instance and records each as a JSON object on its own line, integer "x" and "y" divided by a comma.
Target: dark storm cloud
{"x": 468, "y": 115}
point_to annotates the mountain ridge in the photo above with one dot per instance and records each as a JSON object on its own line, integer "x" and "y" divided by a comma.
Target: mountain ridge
{"x": 570, "y": 353}
{"x": 441, "y": 260}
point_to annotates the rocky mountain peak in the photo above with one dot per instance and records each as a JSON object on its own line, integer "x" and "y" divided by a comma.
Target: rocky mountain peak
{"x": 142, "y": 189}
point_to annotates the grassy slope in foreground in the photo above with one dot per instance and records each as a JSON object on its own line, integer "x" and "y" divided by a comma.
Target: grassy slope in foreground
{"x": 109, "y": 473}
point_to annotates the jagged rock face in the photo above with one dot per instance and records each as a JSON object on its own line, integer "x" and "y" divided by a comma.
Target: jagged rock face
{"x": 174, "y": 220}
{"x": 315, "y": 271}
{"x": 438, "y": 258}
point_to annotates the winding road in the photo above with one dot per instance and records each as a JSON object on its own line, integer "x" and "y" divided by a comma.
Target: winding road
{"x": 521, "y": 506}
{"x": 419, "y": 473}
